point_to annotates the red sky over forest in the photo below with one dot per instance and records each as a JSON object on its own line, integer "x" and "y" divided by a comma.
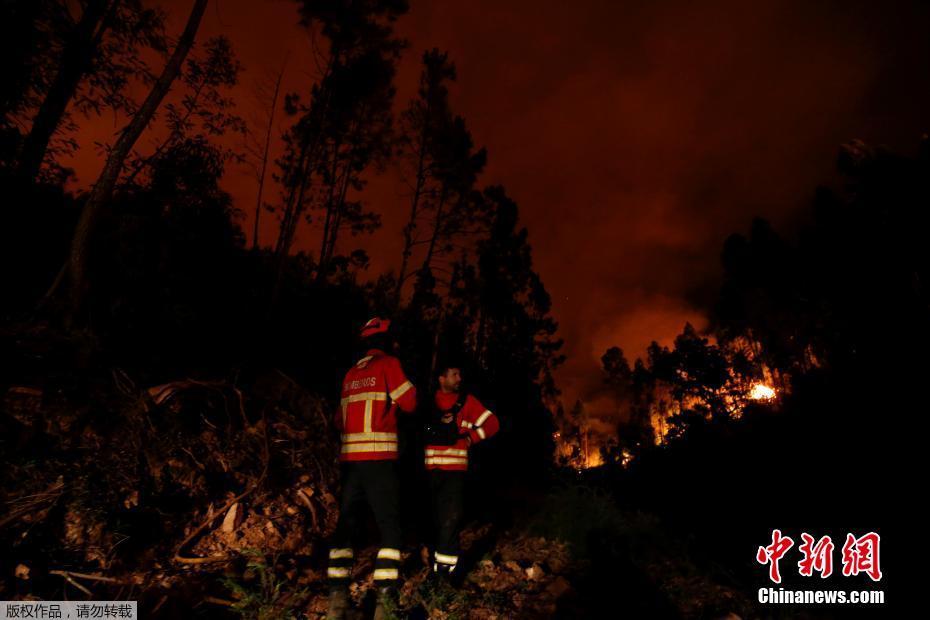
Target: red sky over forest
{"x": 634, "y": 135}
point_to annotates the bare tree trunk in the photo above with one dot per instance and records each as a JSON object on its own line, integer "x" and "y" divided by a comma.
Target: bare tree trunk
{"x": 330, "y": 206}
{"x": 339, "y": 205}
{"x": 168, "y": 141}
{"x": 414, "y": 209}
{"x": 293, "y": 206}
{"x": 295, "y": 203}
{"x": 436, "y": 334}
{"x": 261, "y": 177}
{"x": 437, "y": 226}
{"x": 103, "y": 188}
{"x": 76, "y": 59}
{"x": 292, "y": 212}
{"x": 335, "y": 209}
{"x": 291, "y": 200}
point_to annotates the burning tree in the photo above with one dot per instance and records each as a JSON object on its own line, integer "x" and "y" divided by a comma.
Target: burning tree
{"x": 698, "y": 381}
{"x": 661, "y": 398}
{"x": 578, "y": 444}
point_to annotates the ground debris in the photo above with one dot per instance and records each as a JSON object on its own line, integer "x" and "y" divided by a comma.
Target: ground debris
{"x": 24, "y": 404}
{"x": 508, "y": 581}
{"x": 132, "y": 473}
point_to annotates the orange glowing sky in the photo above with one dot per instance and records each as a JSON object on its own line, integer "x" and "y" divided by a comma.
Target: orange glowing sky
{"x": 634, "y": 135}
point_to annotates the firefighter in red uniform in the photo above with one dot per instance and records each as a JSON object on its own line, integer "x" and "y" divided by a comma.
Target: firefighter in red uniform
{"x": 372, "y": 391}
{"x": 458, "y": 421}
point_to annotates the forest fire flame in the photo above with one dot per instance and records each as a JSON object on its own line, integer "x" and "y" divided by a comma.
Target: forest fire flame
{"x": 594, "y": 458}
{"x": 760, "y": 391}
{"x": 665, "y": 406}
{"x": 578, "y": 451}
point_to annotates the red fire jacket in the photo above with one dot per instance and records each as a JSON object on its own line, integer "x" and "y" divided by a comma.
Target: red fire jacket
{"x": 372, "y": 391}
{"x": 477, "y": 424}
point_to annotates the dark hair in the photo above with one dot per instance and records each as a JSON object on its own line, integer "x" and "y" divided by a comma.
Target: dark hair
{"x": 446, "y": 365}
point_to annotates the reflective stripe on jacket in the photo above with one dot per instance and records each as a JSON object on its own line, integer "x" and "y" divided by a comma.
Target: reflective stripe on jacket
{"x": 475, "y": 422}
{"x": 372, "y": 391}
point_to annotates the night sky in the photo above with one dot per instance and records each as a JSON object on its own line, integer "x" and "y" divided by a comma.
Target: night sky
{"x": 635, "y": 136}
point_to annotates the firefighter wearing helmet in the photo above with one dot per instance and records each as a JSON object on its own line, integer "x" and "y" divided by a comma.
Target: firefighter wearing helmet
{"x": 372, "y": 392}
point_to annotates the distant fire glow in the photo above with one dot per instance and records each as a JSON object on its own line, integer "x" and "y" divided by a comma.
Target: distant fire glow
{"x": 761, "y": 391}
{"x": 584, "y": 439}
{"x": 625, "y": 457}
{"x": 593, "y": 459}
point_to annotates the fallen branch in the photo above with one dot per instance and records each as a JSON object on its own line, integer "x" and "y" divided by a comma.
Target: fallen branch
{"x": 89, "y": 577}
{"x": 35, "y": 502}
{"x": 161, "y": 601}
{"x": 161, "y": 394}
{"x": 69, "y": 579}
{"x": 309, "y": 504}
{"x": 179, "y": 556}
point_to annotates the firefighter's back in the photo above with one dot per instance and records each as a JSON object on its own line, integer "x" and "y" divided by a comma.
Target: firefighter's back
{"x": 371, "y": 392}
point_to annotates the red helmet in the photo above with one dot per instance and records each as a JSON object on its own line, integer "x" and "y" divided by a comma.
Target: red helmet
{"x": 376, "y": 325}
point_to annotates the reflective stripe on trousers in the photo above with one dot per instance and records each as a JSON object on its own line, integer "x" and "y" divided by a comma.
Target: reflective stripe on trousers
{"x": 387, "y": 566}
{"x": 374, "y": 485}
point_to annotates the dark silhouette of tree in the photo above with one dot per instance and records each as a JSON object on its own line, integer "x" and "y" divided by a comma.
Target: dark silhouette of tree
{"x": 456, "y": 209}
{"x": 421, "y": 123}
{"x": 515, "y": 348}
{"x": 267, "y": 96}
{"x": 617, "y": 372}
{"x": 628, "y": 387}
{"x": 100, "y": 55}
{"x": 360, "y": 45}
{"x": 760, "y": 282}
{"x": 103, "y": 188}
{"x": 853, "y": 284}
{"x": 30, "y": 32}
{"x": 443, "y": 166}
{"x": 359, "y": 135}
{"x": 203, "y": 109}
{"x": 447, "y": 215}
{"x": 514, "y": 305}
{"x": 165, "y": 262}
{"x": 677, "y": 389}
